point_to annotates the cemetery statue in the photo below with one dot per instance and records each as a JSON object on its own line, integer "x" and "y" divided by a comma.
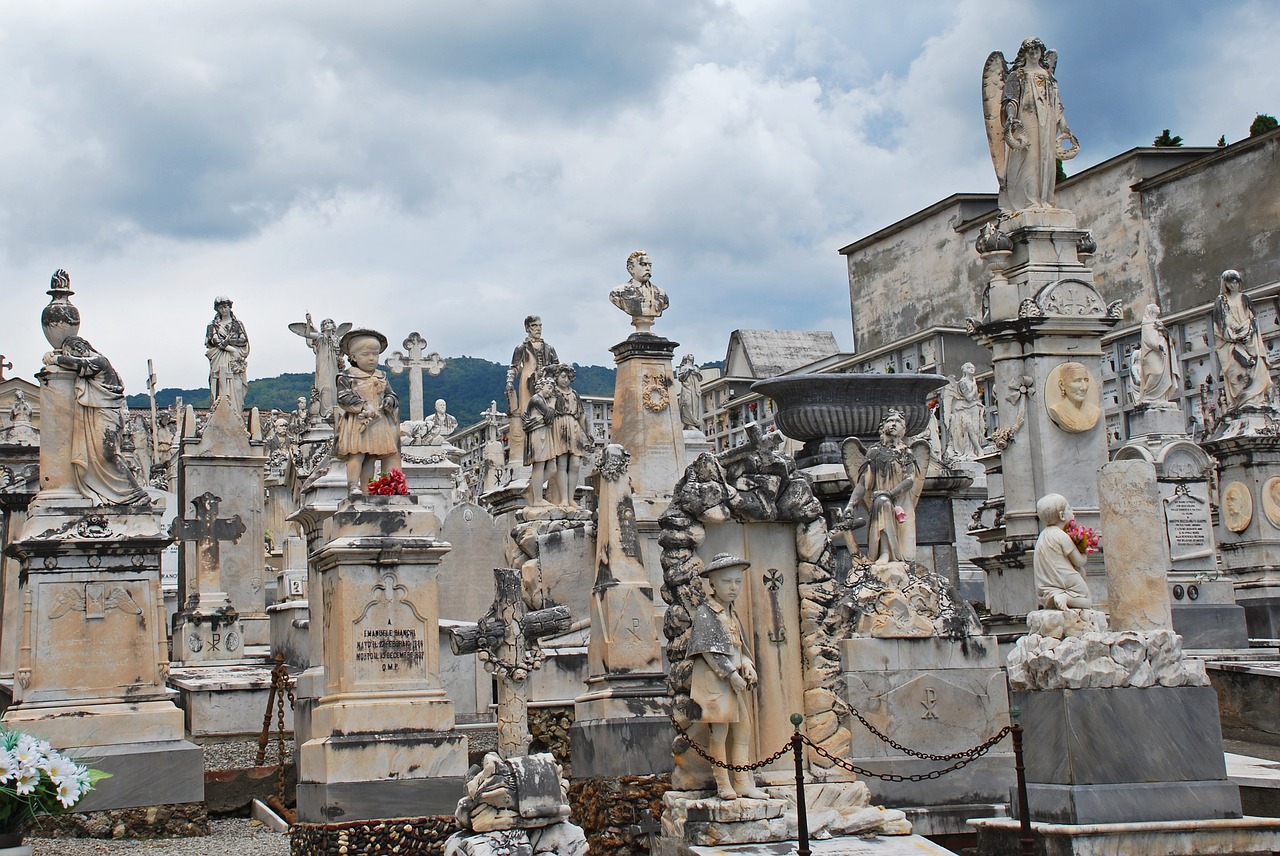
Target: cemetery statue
{"x": 1158, "y": 376}
{"x": 557, "y": 431}
{"x": 19, "y": 431}
{"x": 690, "y": 377}
{"x": 639, "y": 297}
{"x": 327, "y": 343}
{"x": 537, "y": 422}
{"x": 439, "y": 424}
{"x": 1072, "y": 400}
{"x": 98, "y": 470}
{"x": 1135, "y": 373}
{"x": 1058, "y": 562}
{"x": 887, "y": 479}
{"x": 20, "y": 412}
{"x": 531, "y": 359}
{"x": 368, "y": 423}
{"x": 723, "y": 675}
{"x": 962, "y": 405}
{"x": 1242, "y": 357}
{"x": 227, "y": 347}
{"x": 1025, "y": 126}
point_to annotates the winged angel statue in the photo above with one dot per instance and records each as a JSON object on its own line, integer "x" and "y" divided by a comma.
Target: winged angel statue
{"x": 887, "y": 480}
{"x": 1025, "y": 125}
{"x": 326, "y": 342}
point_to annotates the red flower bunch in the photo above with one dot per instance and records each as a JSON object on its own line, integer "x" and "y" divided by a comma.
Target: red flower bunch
{"x": 1086, "y": 540}
{"x": 392, "y": 484}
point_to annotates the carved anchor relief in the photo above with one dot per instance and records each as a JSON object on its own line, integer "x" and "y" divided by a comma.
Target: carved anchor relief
{"x": 773, "y": 582}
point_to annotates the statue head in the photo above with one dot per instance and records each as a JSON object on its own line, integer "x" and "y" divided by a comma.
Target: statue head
{"x": 440, "y": 407}
{"x": 1052, "y": 509}
{"x": 725, "y": 573}
{"x": 968, "y": 369}
{"x": 222, "y": 302}
{"x": 563, "y": 370}
{"x": 1232, "y": 282}
{"x": 363, "y": 347}
{"x": 328, "y": 325}
{"x": 1031, "y": 49}
{"x": 1152, "y": 312}
{"x": 533, "y": 326}
{"x": 894, "y": 425}
{"x": 1073, "y": 380}
{"x": 639, "y": 266}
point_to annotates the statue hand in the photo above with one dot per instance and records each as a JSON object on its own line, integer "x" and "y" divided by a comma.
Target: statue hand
{"x": 738, "y": 682}
{"x": 748, "y": 672}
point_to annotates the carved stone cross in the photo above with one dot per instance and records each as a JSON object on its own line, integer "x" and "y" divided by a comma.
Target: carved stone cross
{"x": 506, "y": 641}
{"x": 415, "y": 362}
{"x": 207, "y": 529}
{"x": 4, "y": 364}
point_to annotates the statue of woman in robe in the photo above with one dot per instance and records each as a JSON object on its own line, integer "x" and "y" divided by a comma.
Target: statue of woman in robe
{"x": 227, "y": 347}
{"x": 1159, "y": 361}
{"x": 1242, "y": 357}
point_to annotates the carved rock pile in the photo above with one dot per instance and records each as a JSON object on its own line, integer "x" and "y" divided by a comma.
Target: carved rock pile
{"x": 516, "y": 805}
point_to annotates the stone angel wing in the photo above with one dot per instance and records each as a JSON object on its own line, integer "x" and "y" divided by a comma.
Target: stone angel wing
{"x": 920, "y": 451}
{"x": 302, "y": 328}
{"x": 854, "y": 455}
{"x": 994, "y": 74}
{"x": 343, "y": 329}
{"x": 1051, "y": 62}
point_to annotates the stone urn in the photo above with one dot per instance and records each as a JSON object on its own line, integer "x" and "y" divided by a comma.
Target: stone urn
{"x": 821, "y": 410}
{"x": 60, "y": 319}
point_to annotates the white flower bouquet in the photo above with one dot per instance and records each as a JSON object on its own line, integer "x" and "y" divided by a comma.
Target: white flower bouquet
{"x": 37, "y": 780}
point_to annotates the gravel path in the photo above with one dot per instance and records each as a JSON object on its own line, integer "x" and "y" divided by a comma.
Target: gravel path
{"x": 231, "y": 837}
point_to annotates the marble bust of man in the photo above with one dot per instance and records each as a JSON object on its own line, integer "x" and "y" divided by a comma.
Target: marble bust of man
{"x": 639, "y": 297}
{"x": 1077, "y": 410}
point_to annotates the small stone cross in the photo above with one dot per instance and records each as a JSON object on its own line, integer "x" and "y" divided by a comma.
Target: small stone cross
{"x": 4, "y": 364}
{"x": 415, "y": 362}
{"x": 649, "y": 827}
{"x": 506, "y": 641}
{"x": 207, "y": 529}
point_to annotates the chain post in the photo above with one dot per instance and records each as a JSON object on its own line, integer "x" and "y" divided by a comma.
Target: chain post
{"x": 802, "y": 816}
{"x": 1026, "y": 841}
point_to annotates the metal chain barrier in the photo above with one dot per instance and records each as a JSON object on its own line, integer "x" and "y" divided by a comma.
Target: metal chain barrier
{"x": 999, "y": 735}
{"x": 280, "y": 690}
{"x": 736, "y": 768}
{"x": 976, "y": 753}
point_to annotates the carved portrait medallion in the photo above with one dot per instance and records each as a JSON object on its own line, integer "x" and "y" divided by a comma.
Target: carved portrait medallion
{"x": 1271, "y": 501}
{"x": 1237, "y": 506}
{"x": 1072, "y": 398}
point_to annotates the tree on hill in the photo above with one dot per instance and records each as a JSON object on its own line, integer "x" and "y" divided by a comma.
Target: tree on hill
{"x": 1166, "y": 141}
{"x": 1262, "y": 123}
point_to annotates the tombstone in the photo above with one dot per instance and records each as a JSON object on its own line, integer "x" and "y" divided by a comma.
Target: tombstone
{"x": 207, "y": 628}
{"x": 478, "y": 545}
{"x": 227, "y": 462}
{"x": 93, "y": 656}
{"x": 381, "y": 739}
{"x": 1204, "y": 611}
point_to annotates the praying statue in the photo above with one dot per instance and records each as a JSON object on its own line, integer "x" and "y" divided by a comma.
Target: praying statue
{"x": 99, "y": 470}
{"x": 1159, "y": 373}
{"x": 1242, "y": 357}
{"x": 962, "y": 406}
{"x": 887, "y": 480}
{"x": 723, "y": 674}
{"x": 639, "y": 297}
{"x": 368, "y": 415}
{"x": 327, "y": 343}
{"x": 227, "y": 347}
{"x": 1058, "y": 561}
{"x": 1026, "y": 129}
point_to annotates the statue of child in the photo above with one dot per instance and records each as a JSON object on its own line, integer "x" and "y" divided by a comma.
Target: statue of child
{"x": 368, "y": 418}
{"x": 723, "y": 674}
{"x": 1058, "y": 561}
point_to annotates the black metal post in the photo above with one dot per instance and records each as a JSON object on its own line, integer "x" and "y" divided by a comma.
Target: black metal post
{"x": 802, "y": 817}
{"x": 1026, "y": 841}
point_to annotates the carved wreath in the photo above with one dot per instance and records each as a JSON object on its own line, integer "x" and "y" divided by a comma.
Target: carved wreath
{"x": 654, "y": 392}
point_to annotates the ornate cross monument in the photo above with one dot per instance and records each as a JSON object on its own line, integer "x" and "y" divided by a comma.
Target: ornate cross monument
{"x": 208, "y": 627}
{"x": 415, "y": 363}
{"x": 506, "y": 641}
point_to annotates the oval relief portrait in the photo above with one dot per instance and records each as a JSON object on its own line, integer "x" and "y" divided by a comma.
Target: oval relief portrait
{"x": 1271, "y": 501}
{"x": 1072, "y": 398}
{"x": 1237, "y": 506}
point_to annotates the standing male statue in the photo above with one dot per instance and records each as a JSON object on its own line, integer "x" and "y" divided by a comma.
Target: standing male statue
{"x": 531, "y": 358}
{"x": 639, "y": 297}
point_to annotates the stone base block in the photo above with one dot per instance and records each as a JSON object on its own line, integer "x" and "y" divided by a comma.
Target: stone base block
{"x": 97, "y": 726}
{"x": 226, "y": 700}
{"x": 144, "y": 774}
{"x": 1125, "y": 755}
{"x": 638, "y": 746}
{"x": 983, "y": 782}
{"x": 699, "y": 819}
{"x": 427, "y": 711}
{"x": 880, "y": 845}
{"x": 290, "y": 623}
{"x": 197, "y": 641}
{"x": 1262, "y": 617}
{"x": 1249, "y": 836}
{"x": 946, "y": 820}
{"x": 1210, "y": 625}
{"x": 396, "y": 755}
{"x": 339, "y": 802}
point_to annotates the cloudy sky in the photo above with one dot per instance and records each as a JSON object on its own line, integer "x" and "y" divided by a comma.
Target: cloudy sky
{"x": 450, "y": 167}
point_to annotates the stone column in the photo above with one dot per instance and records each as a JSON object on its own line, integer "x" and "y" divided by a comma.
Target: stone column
{"x": 1041, "y": 311}
{"x": 382, "y": 740}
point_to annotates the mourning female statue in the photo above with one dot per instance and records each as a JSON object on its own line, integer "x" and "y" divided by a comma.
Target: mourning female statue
{"x": 1058, "y": 562}
{"x": 227, "y": 347}
{"x": 368, "y": 422}
{"x": 690, "y": 377}
{"x": 962, "y": 404}
{"x": 98, "y": 470}
{"x": 1159, "y": 361}
{"x": 327, "y": 343}
{"x": 887, "y": 479}
{"x": 1025, "y": 126}
{"x": 1242, "y": 358}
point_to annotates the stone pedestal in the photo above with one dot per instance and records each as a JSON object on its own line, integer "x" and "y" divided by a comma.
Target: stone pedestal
{"x": 226, "y": 462}
{"x": 92, "y": 651}
{"x": 938, "y": 696}
{"x": 1041, "y": 311}
{"x": 290, "y": 615}
{"x": 432, "y": 475}
{"x": 382, "y": 740}
{"x": 1125, "y": 755}
{"x": 1203, "y": 606}
{"x": 1250, "y": 835}
{"x": 1248, "y": 531}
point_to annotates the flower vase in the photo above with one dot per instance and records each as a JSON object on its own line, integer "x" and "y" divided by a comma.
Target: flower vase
{"x": 11, "y": 845}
